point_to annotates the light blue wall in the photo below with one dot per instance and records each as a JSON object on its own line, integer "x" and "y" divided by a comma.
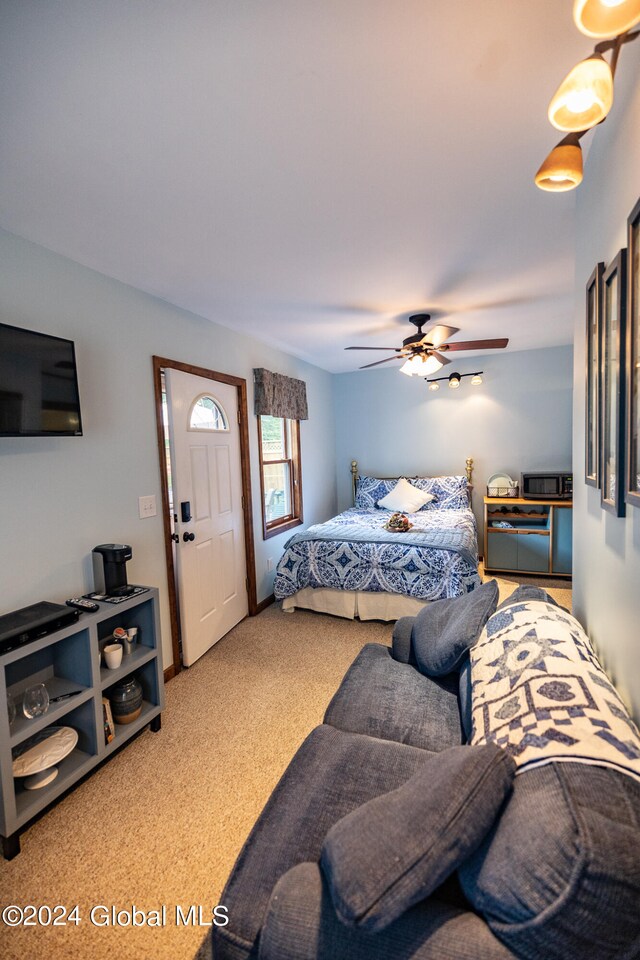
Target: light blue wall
{"x": 62, "y": 496}
{"x": 518, "y": 419}
{"x": 606, "y": 580}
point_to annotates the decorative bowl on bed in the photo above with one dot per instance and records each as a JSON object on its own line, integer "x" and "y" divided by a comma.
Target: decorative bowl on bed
{"x": 398, "y": 523}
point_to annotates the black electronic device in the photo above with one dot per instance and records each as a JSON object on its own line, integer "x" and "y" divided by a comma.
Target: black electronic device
{"x": 110, "y": 570}
{"x": 29, "y": 623}
{"x": 39, "y": 394}
{"x": 550, "y": 485}
{"x": 82, "y": 604}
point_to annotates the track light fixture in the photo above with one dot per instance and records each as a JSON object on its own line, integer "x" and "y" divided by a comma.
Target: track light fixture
{"x": 606, "y": 18}
{"x": 454, "y": 380}
{"x": 585, "y": 96}
{"x": 562, "y": 169}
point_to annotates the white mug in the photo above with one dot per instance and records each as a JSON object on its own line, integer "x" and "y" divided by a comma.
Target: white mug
{"x": 113, "y": 655}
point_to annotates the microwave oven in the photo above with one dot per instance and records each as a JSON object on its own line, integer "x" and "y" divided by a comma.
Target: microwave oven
{"x": 546, "y": 486}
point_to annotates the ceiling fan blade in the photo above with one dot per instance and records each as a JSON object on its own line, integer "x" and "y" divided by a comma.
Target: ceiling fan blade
{"x": 479, "y": 344}
{"x": 438, "y": 334}
{"x": 439, "y": 356}
{"x": 377, "y": 362}
{"x": 372, "y": 348}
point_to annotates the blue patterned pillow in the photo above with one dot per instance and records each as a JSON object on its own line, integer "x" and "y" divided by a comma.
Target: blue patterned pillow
{"x": 371, "y": 489}
{"x": 450, "y": 492}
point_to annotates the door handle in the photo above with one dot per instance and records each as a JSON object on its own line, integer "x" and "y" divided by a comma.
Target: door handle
{"x": 188, "y": 536}
{"x": 175, "y": 538}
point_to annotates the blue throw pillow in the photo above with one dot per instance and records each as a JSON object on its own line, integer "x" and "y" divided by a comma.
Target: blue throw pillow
{"x": 394, "y": 851}
{"x": 445, "y": 630}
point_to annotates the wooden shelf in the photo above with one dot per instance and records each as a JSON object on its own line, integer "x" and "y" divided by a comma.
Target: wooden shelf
{"x": 534, "y": 531}
{"x": 528, "y": 517}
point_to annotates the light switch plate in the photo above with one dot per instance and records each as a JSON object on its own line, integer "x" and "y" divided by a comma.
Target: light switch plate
{"x": 147, "y": 507}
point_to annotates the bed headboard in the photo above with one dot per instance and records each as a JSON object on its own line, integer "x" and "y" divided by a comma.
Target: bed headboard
{"x": 468, "y": 469}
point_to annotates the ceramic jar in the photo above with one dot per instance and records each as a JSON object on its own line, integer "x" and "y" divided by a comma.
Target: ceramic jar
{"x": 126, "y": 700}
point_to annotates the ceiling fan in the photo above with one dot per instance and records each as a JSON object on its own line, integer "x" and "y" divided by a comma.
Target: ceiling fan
{"x": 424, "y": 353}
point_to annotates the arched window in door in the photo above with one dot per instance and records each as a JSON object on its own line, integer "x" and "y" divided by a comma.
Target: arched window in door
{"x": 207, "y": 414}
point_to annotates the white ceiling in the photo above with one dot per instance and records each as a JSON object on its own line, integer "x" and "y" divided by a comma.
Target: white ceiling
{"x": 306, "y": 171}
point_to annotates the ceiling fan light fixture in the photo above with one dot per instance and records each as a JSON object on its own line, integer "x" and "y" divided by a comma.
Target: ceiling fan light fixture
{"x": 606, "y": 18}
{"x": 562, "y": 169}
{"x": 430, "y": 364}
{"x": 409, "y": 367}
{"x": 584, "y": 97}
{"x": 420, "y": 365}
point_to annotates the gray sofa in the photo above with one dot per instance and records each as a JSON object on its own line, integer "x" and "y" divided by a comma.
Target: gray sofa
{"x": 390, "y": 837}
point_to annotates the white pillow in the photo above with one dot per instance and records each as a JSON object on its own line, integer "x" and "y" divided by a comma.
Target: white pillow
{"x": 405, "y": 497}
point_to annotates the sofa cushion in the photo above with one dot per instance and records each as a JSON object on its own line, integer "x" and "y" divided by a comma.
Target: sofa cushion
{"x": 394, "y": 851}
{"x": 558, "y": 876}
{"x": 301, "y": 924}
{"x": 331, "y": 774}
{"x": 444, "y": 630}
{"x": 382, "y": 698}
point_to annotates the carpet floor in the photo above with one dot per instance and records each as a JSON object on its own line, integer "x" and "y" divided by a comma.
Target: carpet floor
{"x": 160, "y": 824}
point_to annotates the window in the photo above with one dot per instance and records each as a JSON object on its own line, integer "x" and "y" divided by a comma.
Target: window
{"x": 207, "y": 414}
{"x": 280, "y": 474}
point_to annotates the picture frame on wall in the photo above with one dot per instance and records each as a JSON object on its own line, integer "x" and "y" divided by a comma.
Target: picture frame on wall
{"x": 592, "y": 377}
{"x": 612, "y": 385}
{"x": 632, "y": 485}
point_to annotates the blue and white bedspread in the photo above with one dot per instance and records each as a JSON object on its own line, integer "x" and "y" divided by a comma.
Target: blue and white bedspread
{"x": 437, "y": 558}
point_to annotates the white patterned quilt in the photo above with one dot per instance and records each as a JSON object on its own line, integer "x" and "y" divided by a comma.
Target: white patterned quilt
{"x": 539, "y": 691}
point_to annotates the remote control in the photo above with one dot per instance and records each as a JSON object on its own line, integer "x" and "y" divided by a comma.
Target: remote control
{"x": 87, "y": 606}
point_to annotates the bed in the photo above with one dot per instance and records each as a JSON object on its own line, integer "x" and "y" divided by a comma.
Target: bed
{"x": 352, "y": 566}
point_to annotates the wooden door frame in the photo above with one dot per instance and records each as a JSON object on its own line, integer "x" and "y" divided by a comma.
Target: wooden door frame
{"x": 160, "y": 364}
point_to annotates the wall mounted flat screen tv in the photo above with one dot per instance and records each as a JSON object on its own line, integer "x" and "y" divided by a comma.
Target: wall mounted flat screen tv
{"x": 38, "y": 385}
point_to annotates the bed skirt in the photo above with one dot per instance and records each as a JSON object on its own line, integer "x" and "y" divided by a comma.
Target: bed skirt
{"x": 353, "y": 603}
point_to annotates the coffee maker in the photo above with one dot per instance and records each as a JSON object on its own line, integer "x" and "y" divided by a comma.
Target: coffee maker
{"x": 109, "y": 569}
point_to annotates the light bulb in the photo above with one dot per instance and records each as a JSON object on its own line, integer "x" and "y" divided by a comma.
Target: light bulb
{"x": 579, "y": 101}
{"x": 476, "y": 379}
{"x": 584, "y": 97}
{"x": 434, "y": 386}
{"x": 454, "y": 381}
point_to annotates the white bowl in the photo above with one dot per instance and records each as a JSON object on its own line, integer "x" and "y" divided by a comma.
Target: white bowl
{"x": 113, "y": 655}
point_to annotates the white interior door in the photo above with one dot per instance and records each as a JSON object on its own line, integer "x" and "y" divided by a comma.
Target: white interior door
{"x": 207, "y": 490}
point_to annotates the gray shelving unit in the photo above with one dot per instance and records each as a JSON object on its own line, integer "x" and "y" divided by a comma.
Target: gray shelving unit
{"x": 70, "y": 660}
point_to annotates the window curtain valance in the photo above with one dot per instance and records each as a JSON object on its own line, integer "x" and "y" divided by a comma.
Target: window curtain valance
{"x": 279, "y": 396}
